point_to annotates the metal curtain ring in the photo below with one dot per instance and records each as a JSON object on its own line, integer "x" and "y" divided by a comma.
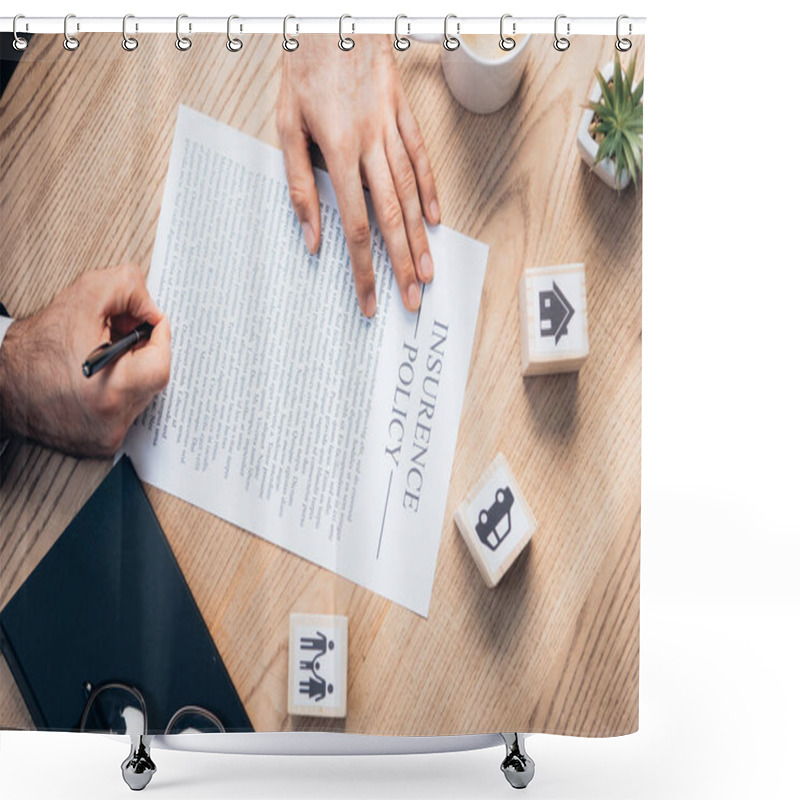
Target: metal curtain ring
{"x": 506, "y": 42}
{"x": 451, "y": 42}
{"x": 345, "y": 42}
{"x": 623, "y": 45}
{"x": 70, "y": 42}
{"x": 561, "y": 43}
{"x": 233, "y": 44}
{"x": 128, "y": 42}
{"x": 182, "y": 42}
{"x": 18, "y": 43}
{"x": 290, "y": 44}
{"x": 401, "y": 43}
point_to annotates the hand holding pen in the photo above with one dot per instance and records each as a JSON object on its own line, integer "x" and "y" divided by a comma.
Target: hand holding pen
{"x": 45, "y": 395}
{"x": 108, "y": 352}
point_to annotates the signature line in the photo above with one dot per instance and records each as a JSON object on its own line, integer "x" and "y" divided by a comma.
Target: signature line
{"x": 383, "y": 522}
{"x": 419, "y": 310}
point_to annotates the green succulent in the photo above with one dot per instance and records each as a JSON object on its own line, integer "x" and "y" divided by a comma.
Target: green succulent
{"x": 617, "y": 126}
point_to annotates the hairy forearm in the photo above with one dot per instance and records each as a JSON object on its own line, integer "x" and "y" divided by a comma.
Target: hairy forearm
{"x": 36, "y": 401}
{"x": 19, "y": 415}
{"x": 11, "y": 416}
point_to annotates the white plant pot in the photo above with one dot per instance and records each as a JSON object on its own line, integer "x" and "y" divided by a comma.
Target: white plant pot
{"x": 588, "y": 147}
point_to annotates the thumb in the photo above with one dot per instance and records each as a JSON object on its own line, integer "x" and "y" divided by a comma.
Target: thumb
{"x": 145, "y": 370}
{"x": 125, "y": 295}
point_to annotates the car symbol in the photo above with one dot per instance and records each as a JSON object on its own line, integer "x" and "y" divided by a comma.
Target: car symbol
{"x": 494, "y": 523}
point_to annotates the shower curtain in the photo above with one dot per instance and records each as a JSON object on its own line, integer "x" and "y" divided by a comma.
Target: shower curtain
{"x": 372, "y": 464}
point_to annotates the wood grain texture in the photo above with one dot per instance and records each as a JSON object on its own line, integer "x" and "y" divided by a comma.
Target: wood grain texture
{"x": 84, "y": 147}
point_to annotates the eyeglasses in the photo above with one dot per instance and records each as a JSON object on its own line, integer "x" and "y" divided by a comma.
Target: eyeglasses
{"x": 116, "y": 707}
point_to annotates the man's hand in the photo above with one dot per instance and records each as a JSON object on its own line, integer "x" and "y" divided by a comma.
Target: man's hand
{"x": 43, "y": 393}
{"x": 353, "y": 106}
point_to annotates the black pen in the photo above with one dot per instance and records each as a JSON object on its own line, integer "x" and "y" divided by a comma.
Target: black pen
{"x": 108, "y": 351}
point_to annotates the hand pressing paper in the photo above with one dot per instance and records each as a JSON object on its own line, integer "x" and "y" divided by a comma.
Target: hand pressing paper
{"x": 288, "y": 413}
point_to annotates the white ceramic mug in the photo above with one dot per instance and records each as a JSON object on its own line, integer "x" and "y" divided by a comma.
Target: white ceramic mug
{"x": 482, "y": 80}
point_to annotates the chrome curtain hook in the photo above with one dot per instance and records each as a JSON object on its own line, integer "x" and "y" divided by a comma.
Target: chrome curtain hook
{"x": 451, "y": 42}
{"x": 401, "y": 43}
{"x": 345, "y": 42}
{"x": 70, "y": 42}
{"x": 18, "y": 43}
{"x": 623, "y": 45}
{"x": 182, "y": 42}
{"x": 233, "y": 44}
{"x": 129, "y": 43}
{"x": 561, "y": 43}
{"x": 506, "y": 42}
{"x": 290, "y": 44}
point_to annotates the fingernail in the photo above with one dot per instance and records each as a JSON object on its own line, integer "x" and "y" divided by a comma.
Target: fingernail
{"x": 308, "y": 235}
{"x": 434, "y": 209}
{"x": 370, "y": 305}
{"x": 413, "y": 296}
{"x": 426, "y": 267}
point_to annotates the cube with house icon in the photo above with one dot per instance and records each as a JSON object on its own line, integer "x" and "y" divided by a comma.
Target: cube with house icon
{"x": 495, "y": 521}
{"x": 554, "y": 321}
{"x": 318, "y": 665}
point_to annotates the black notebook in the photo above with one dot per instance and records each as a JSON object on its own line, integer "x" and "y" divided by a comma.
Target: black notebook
{"x": 109, "y": 603}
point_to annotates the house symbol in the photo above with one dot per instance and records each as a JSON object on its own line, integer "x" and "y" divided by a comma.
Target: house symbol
{"x": 555, "y": 313}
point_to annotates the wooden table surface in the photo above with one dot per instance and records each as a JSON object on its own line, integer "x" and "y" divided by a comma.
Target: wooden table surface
{"x": 84, "y": 147}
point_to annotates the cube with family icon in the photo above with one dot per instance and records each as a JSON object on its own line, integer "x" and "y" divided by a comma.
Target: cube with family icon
{"x": 554, "y": 321}
{"x": 495, "y": 521}
{"x": 318, "y": 665}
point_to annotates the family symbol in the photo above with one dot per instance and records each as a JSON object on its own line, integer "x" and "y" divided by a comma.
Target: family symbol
{"x": 315, "y": 686}
{"x": 494, "y": 523}
{"x": 555, "y": 313}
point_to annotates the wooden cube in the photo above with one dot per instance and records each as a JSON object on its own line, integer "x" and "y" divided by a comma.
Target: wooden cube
{"x": 495, "y": 521}
{"x": 318, "y": 665}
{"x": 553, "y": 319}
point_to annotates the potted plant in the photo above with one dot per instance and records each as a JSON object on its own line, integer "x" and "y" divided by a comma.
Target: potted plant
{"x": 610, "y": 130}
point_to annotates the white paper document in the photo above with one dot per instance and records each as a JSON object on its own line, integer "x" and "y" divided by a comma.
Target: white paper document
{"x": 287, "y": 412}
